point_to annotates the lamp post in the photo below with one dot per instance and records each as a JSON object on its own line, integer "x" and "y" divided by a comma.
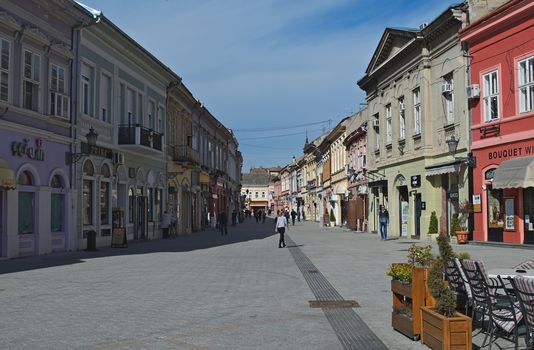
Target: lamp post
{"x": 470, "y": 161}
{"x": 91, "y": 137}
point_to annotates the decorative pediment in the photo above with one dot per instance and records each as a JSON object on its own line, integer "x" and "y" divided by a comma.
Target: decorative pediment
{"x": 37, "y": 35}
{"x": 11, "y": 22}
{"x": 392, "y": 41}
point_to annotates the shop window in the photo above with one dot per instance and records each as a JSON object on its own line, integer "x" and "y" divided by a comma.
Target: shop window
{"x": 159, "y": 204}
{"x": 150, "y": 204}
{"x": 104, "y": 202}
{"x": 26, "y": 205}
{"x": 495, "y": 209}
{"x": 87, "y": 202}
{"x": 131, "y": 198}
{"x": 56, "y": 204}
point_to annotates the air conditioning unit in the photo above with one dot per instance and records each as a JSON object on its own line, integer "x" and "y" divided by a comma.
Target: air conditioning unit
{"x": 118, "y": 158}
{"x": 446, "y": 87}
{"x": 376, "y": 123}
{"x": 473, "y": 91}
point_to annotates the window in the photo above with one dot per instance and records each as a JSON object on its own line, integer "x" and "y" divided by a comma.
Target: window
{"x": 26, "y": 204}
{"x": 491, "y": 96}
{"x": 159, "y": 203}
{"x": 130, "y": 106}
{"x": 4, "y": 70}
{"x": 417, "y": 112}
{"x": 256, "y": 195}
{"x": 526, "y": 85}
{"x": 160, "y": 120}
{"x": 377, "y": 132}
{"x": 105, "y": 195}
{"x": 105, "y": 98}
{"x": 31, "y": 80}
{"x": 150, "y": 210}
{"x": 448, "y": 95}
{"x": 59, "y": 101}
{"x": 87, "y": 194}
{"x": 87, "y": 94}
{"x": 140, "y": 108}
{"x": 194, "y": 139}
{"x": 151, "y": 114}
{"x": 56, "y": 204}
{"x": 131, "y": 198}
{"x": 402, "y": 119}
{"x": 263, "y": 194}
{"x": 388, "y": 124}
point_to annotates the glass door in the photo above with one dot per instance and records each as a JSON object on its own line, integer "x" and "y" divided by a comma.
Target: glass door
{"x": 528, "y": 199}
{"x": 495, "y": 215}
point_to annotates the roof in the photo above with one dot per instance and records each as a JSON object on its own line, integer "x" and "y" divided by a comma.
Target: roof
{"x": 256, "y": 179}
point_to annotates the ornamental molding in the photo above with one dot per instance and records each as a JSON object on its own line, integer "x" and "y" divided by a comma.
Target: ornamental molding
{"x": 10, "y": 21}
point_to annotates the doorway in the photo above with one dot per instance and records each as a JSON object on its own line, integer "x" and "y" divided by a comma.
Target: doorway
{"x": 140, "y": 217}
{"x": 495, "y": 214}
{"x": 418, "y": 209}
{"x": 528, "y": 200}
{"x": 404, "y": 209}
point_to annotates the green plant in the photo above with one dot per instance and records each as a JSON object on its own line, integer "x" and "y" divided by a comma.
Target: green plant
{"x": 445, "y": 297}
{"x": 463, "y": 256}
{"x": 419, "y": 256}
{"x": 433, "y": 226}
{"x": 401, "y": 272}
{"x": 454, "y": 225}
{"x": 332, "y": 216}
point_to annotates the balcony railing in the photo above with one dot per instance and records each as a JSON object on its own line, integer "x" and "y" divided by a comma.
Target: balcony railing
{"x": 183, "y": 154}
{"x": 138, "y": 135}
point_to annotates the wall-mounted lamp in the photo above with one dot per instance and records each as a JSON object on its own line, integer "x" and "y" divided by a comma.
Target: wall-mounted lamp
{"x": 470, "y": 161}
{"x": 91, "y": 137}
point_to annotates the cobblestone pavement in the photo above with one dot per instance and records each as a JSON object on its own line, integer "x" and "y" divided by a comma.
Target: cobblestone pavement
{"x": 204, "y": 291}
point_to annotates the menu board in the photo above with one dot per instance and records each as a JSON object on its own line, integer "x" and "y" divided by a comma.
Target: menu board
{"x": 509, "y": 213}
{"x": 118, "y": 238}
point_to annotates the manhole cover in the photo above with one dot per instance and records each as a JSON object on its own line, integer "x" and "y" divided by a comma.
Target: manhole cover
{"x": 332, "y": 304}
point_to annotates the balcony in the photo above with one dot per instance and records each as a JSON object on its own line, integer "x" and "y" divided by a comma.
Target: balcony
{"x": 140, "y": 139}
{"x": 311, "y": 185}
{"x": 183, "y": 154}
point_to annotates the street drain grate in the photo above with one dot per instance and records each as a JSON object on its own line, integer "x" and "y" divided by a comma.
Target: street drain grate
{"x": 333, "y": 304}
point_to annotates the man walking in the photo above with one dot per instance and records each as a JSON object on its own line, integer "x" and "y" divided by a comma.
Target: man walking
{"x": 293, "y": 216}
{"x": 383, "y": 217}
{"x": 223, "y": 220}
{"x": 263, "y": 215}
{"x": 280, "y": 227}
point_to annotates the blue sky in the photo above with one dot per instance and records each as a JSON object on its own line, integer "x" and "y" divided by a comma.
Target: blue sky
{"x": 269, "y": 65}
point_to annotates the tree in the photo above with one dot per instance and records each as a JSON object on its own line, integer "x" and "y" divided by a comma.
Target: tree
{"x": 433, "y": 227}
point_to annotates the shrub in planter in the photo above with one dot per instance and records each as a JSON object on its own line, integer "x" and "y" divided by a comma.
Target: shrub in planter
{"x": 442, "y": 324}
{"x": 454, "y": 225}
{"x": 433, "y": 226}
{"x": 332, "y": 216}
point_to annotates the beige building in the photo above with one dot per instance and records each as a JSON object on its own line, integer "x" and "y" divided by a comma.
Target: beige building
{"x": 416, "y": 94}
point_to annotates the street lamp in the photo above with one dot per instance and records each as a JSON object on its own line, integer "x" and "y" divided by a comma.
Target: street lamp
{"x": 470, "y": 161}
{"x": 91, "y": 137}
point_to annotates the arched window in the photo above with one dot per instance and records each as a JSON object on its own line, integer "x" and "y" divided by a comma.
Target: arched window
{"x": 26, "y": 204}
{"x": 57, "y": 204}
{"x": 25, "y": 179}
{"x": 88, "y": 168}
{"x": 105, "y": 171}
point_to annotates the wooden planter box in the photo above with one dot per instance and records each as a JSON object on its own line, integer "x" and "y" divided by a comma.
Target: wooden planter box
{"x": 407, "y": 301}
{"x": 440, "y": 332}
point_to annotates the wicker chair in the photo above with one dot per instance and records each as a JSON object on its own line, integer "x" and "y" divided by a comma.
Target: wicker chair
{"x": 524, "y": 291}
{"x": 459, "y": 284}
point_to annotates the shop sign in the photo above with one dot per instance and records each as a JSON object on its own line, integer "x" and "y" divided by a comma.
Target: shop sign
{"x": 511, "y": 152}
{"x": 416, "y": 180}
{"x": 23, "y": 148}
{"x": 477, "y": 204}
{"x": 97, "y": 151}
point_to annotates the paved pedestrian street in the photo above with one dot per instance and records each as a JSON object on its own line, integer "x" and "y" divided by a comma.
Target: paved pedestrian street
{"x": 204, "y": 291}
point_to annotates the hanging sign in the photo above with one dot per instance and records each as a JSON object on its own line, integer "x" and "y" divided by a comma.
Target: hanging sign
{"x": 416, "y": 180}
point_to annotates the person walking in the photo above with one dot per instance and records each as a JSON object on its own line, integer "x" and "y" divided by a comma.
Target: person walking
{"x": 263, "y": 215}
{"x": 223, "y": 220}
{"x": 286, "y": 214}
{"x": 383, "y": 217}
{"x": 293, "y": 216}
{"x": 166, "y": 223}
{"x": 280, "y": 227}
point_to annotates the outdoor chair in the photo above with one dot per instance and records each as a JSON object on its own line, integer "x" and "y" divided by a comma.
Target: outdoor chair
{"x": 524, "y": 292}
{"x": 525, "y": 265}
{"x": 455, "y": 276}
{"x": 492, "y": 301}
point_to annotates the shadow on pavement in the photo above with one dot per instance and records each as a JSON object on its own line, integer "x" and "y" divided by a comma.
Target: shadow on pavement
{"x": 209, "y": 238}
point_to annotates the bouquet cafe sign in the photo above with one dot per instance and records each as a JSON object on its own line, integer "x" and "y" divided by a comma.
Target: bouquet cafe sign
{"x": 511, "y": 152}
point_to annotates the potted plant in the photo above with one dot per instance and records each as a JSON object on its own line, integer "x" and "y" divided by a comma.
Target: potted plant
{"x": 433, "y": 226}
{"x": 409, "y": 291}
{"x": 454, "y": 228}
{"x": 464, "y": 210}
{"x": 443, "y": 327}
{"x": 332, "y": 218}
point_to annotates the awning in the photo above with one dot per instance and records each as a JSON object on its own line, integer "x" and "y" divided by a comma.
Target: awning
{"x": 513, "y": 173}
{"x": 443, "y": 168}
{"x": 7, "y": 176}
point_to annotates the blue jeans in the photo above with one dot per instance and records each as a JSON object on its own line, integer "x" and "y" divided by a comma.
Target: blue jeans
{"x": 384, "y": 230}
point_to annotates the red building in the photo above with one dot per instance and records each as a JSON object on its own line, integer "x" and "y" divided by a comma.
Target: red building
{"x": 501, "y": 48}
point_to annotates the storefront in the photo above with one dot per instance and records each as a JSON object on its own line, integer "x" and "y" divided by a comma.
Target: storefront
{"x": 34, "y": 195}
{"x": 503, "y": 200}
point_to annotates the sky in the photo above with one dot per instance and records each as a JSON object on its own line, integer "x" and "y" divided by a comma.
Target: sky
{"x": 271, "y": 70}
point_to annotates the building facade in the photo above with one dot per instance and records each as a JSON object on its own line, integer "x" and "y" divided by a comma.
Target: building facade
{"x": 502, "y": 109}
{"x": 415, "y": 86}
